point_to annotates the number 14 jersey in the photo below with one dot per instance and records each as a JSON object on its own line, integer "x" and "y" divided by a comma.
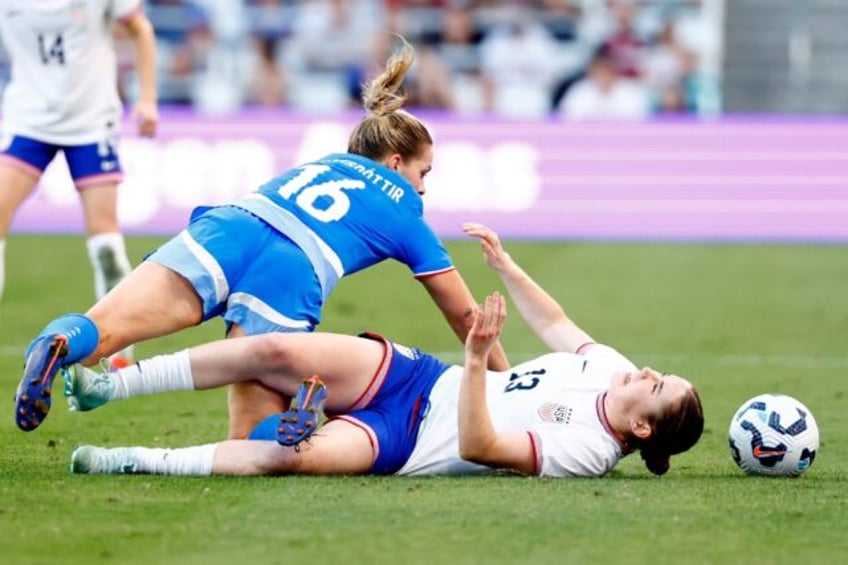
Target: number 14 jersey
{"x": 64, "y": 69}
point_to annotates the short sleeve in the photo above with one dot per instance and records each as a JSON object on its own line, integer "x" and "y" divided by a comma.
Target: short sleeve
{"x": 423, "y": 252}
{"x": 572, "y": 453}
{"x": 608, "y": 356}
{"x": 123, "y": 9}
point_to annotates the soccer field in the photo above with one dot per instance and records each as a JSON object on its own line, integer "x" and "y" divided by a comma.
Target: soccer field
{"x": 737, "y": 320}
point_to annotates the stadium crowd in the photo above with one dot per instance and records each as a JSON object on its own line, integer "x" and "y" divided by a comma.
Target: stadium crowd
{"x": 579, "y": 59}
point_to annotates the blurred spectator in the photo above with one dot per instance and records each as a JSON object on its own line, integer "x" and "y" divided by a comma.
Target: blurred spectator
{"x": 604, "y": 94}
{"x": 427, "y": 85}
{"x": 416, "y": 18}
{"x": 458, "y": 39}
{"x": 451, "y": 55}
{"x": 183, "y": 41}
{"x": 268, "y": 27}
{"x": 270, "y": 19}
{"x": 668, "y": 67}
{"x": 266, "y": 85}
{"x": 379, "y": 50}
{"x": 512, "y": 57}
{"x": 674, "y": 99}
{"x": 430, "y": 84}
{"x": 561, "y": 17}
{"x": 624, "y": 45}
{"x": 333, "y": 34}
{"x": 519, "y": 60}
{"x": 331, "y": 40}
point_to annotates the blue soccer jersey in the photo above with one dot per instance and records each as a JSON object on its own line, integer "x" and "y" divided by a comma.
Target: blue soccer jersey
{"x": 347, "y": 212}
{"x": 269, "y": 261}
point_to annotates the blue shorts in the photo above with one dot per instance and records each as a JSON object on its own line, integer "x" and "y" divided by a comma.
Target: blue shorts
{"x": 245, "y": 271}
{"x": 90, "y": 164}
{"x": 394, "y": 414}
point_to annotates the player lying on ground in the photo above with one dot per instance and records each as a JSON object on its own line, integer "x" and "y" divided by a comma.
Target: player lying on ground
{"x": 397, "y": 410}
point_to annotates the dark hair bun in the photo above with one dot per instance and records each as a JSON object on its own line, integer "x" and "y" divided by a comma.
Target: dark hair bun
{"x": 656, "y": 463}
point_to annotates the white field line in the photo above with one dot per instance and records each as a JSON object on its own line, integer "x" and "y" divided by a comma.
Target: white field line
{"x": 823, "y": 362}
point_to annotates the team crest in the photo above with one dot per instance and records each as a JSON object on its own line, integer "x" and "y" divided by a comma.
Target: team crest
{"x": 405, "y": 351}
{"x": 554, "y": 413}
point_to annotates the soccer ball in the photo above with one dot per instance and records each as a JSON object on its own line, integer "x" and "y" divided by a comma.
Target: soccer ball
{"x": 773, "y": 434}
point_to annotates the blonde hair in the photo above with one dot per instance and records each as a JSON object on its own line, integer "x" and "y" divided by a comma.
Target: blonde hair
{"x": 387, "y": 128}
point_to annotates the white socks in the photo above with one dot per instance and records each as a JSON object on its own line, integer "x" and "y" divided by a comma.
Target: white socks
{"x": 108, "y": 256}
{"x": 162, "y": 373}
{"x": 196, "y": 460}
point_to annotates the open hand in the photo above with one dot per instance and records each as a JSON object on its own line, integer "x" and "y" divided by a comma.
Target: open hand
{"x": 488, "y": 323}
{"x": 493, "y": 251}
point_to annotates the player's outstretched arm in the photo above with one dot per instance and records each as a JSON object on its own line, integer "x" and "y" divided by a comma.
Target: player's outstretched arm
{"x": 145, "y": 113}
{"x": 478, "y": 440}
{"x": 542, "y": 313}
{"x": 450, "y": 293}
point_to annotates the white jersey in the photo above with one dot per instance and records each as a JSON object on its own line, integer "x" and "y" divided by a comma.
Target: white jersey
{"x": 64, "y": 69}
{"x": 556, "y": 399}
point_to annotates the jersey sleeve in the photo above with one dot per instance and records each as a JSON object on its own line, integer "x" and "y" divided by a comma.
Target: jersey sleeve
{"x": 122, "y": 9}
{"x": 423, "y": 252}
{"x": 570, "y": 453}
{"x": 609, "y": 356}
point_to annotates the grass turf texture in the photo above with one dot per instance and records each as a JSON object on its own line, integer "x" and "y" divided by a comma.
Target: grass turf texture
{"x": 738, "y": 320}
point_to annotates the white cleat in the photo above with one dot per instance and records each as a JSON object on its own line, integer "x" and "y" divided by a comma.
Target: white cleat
{"x": 86, "y": 389}
{"x": 91, "y": 460}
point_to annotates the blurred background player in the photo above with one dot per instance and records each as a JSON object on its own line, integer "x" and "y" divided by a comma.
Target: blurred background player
{"x": 63, "y": 96}
{"x": 269, "y": 261}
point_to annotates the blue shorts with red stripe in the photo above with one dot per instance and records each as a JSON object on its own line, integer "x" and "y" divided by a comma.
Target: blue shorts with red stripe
{"x": 87, "y": 163}
{"x": 393, "y": 416}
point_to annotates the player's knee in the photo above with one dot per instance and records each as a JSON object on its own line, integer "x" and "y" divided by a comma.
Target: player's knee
{"x": 272, "y": 352}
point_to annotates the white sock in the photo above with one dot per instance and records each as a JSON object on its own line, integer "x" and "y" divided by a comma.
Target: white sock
{"x": 196, "y": 460}
{"x": 2, "y": 265}
{"x": 108, "y": 256}
{"x": 162, "y": 373}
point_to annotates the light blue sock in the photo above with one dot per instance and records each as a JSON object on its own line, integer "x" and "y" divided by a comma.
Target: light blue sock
{"x": 81, "y": 332}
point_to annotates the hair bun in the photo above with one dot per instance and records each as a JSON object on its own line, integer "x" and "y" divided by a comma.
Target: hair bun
{"x": 657, "y": 463}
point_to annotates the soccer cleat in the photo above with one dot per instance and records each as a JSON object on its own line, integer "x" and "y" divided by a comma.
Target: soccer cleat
{"x": 302, "y": 418}
{"x": 91, "y": 460}
{"x": 33, "y": 398}
{"x": 86, "y": 389}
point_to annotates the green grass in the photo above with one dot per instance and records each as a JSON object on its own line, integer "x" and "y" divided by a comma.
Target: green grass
{"x": 738, "y": 320}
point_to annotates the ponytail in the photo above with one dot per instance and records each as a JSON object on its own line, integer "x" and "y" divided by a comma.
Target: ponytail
{"x": 387, "y": 128}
